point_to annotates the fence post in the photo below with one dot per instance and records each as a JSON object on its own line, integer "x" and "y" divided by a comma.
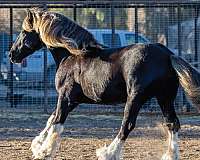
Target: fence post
{"x": 167, "y": 28}
{"x": 136, "y": 25}
{"x": 183, "y": 99}
{"x": 196, "y": 35}
{"x": 75, "y": 13}
{"x": 179, "y": 30}
{"x": 45, "y": 83}
{"x": 11, "y": 64}
{"x": 113, "y": 24}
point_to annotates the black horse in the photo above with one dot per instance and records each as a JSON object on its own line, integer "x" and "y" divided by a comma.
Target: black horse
{"x": 131, "y": 74}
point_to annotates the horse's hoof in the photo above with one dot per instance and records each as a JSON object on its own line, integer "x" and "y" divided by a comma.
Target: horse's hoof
{"x": 104, "y": 154}
{"x": 40, "y": 158}
{"x": 167, "y": 156}
{"x": 101, "y": 153}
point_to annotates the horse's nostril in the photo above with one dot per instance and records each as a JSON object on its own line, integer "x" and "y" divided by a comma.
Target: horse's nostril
{"x": 10, "y": 54}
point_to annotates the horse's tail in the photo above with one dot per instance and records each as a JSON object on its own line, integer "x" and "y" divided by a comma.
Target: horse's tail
{"x": 189, "y": 79}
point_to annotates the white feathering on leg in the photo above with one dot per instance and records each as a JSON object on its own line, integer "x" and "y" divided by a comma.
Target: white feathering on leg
{"x": 172, "y": 152}
{"x": 174, "y": 146}
{"x": 113, "y": 151}
{"x": 38, "y": 140}
{"x": 51, "y": 143}
{"x": 48, "y": 125}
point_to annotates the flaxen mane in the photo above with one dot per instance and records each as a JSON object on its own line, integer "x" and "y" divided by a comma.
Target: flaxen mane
{"x": 56, "y": 30}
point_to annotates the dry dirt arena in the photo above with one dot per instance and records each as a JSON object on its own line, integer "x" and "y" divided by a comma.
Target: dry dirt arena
{"x": 85, "y": 132}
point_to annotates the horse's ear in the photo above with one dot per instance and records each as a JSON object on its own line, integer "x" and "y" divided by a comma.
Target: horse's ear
{"x": 29, "y": 14}
{"x": 29, "y": 17}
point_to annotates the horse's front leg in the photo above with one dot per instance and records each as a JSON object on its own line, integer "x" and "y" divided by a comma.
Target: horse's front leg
{"x": 114, "y": 150}
{"x": 51, "y": 134}
{"x": 38, "y": 140}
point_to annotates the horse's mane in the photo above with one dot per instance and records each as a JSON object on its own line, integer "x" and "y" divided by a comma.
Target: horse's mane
{"x": 56, "y": 30}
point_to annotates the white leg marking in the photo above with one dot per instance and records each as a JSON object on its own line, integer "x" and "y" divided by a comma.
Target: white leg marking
{"x": 173, "y": 151}
{"x": 38, "y": 140}
{"x": 50, "y": 144}
{"x": 112, "y": 152}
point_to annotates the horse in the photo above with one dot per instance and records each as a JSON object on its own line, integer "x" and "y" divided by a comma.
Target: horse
{"x": 89, "y": 73}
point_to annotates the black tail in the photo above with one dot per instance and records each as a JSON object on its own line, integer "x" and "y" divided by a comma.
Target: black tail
{"x": 189, "y": 78}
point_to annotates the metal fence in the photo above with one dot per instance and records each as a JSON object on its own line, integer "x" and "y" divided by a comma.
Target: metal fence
{"x": 114, "y": 23}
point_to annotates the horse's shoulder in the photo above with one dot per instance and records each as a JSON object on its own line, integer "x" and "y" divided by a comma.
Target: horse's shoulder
{"x": 66, "y": 67}
{"x": 65, "y": 73}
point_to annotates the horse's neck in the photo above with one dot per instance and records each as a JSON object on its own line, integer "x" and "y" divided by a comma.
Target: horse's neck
{"x": 59, "y": 54}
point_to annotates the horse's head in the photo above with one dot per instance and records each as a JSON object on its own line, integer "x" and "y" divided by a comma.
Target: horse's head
{"x": 26, "y": 44}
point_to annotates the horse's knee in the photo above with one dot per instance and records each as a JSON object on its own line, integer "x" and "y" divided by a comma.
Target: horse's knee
{"x": 125, "y": 130}
{"x": 173, "y": 125}
{"x": 62, "y": 112}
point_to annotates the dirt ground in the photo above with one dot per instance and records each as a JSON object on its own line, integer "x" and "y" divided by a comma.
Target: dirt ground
{"x": 84, "y": 149}
{"x": 85, "y": 133}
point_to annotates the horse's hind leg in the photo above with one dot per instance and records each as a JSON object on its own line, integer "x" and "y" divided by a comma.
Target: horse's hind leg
{"x": 166, "y": 100}
{"x": 114, "y": 150}
{"x": 172, "y": 126}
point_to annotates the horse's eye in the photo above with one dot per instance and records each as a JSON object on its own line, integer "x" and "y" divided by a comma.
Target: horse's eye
{"x": 27, "y": 44}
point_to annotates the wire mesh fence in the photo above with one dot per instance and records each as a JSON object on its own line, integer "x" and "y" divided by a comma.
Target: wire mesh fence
{"x": 118, "y": 23}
